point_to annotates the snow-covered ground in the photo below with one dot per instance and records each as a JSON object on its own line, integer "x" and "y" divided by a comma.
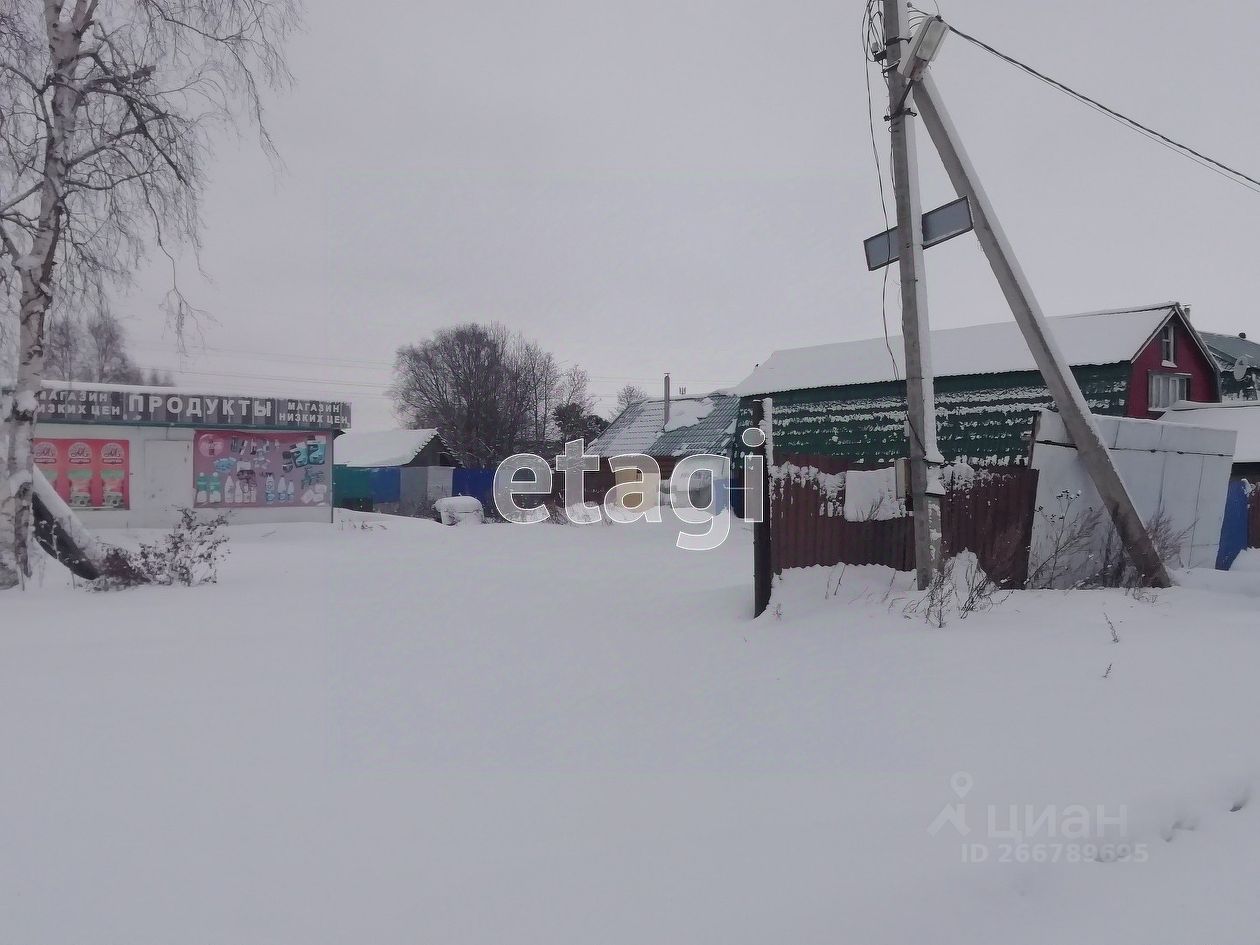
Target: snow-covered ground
{"x": 563, "y": 734}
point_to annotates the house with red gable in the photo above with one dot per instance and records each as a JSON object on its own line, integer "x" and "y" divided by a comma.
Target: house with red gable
{"x": 848, "y": 399}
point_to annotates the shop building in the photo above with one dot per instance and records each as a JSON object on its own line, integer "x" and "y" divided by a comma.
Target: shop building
{"x": 132, "y": 457}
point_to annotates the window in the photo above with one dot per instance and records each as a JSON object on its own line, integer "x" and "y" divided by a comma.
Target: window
{"x": 1167, "y": 389}
{"x": 1170, "y": 344}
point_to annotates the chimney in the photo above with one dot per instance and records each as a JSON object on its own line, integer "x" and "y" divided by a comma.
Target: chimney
{"x": 666, "y": 423}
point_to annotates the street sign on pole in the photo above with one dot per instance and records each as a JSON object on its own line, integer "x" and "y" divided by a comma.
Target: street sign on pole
{"x": 939, "y": 225}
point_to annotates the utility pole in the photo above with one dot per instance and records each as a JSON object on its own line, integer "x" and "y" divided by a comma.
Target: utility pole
{"x": 665, "y": 423}
{"x": 1050, "y": 361}
{"x": 925, "y": 458}
{"x": 757, "y": 504}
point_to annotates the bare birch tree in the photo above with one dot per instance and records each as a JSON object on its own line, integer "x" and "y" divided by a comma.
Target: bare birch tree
{"x": 550, "y": 386}
{"x": 107, "y": 113}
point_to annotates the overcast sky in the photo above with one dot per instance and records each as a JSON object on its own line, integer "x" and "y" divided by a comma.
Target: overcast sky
{"x": 679, "y": 185}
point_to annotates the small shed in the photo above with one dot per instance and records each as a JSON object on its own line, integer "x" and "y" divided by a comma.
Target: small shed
{"x": 396, "y": 471}
{"x": 849, "y": 399}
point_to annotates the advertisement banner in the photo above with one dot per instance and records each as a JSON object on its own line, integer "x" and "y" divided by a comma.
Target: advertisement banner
{"x": 87, "y": 474}
{"x": 249, "y": 469}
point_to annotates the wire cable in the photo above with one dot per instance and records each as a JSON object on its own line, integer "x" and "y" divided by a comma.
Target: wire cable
{"x": 1217, "y": 167}
{"x": 871, "y": 39}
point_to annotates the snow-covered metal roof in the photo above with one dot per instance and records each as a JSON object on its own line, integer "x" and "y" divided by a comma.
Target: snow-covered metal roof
{"x": 706, "y": 428}
{"x": 1094, "y": 338}
{"x": 1241, "y": 416}
{"x": 1230, "y": 349}
{"x": 380, "y": 448}
{"x": 696, "y": 425}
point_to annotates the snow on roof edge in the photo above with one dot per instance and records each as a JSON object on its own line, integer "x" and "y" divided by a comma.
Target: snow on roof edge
{"x": 990, "y": 348}
{"x": 1227, "y": 415}
{"x": 375, "y": 448}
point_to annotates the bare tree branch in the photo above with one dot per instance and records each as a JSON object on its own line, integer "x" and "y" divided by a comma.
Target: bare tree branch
{"x": 107, "y": 116}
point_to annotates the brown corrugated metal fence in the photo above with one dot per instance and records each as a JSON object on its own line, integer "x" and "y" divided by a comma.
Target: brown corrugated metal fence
{"x": 598, "y": 483}
{"x": 1253, "y": 518}
{"x": 989, "y": 513}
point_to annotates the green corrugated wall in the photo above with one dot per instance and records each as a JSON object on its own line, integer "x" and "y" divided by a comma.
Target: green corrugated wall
{"x": 981, "y": 419}
{"x": 351, "y": 483}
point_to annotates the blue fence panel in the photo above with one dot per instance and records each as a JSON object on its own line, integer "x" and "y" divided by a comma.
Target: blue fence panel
{"x": 1234, "y": 525}
{"x": 735, "y": 495}
{"x": 386, "y": 484}
{"x": 478, "y": 483}
{"x": 721, "y": 495}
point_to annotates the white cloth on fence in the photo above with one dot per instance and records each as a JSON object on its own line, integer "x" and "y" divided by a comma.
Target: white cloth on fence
{"x": 871, "y": 495}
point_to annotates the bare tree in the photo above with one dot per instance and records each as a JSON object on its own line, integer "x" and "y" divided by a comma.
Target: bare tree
{"x": 108, "y": 351}
{"x": 159, "y": 378}
{"x": 550, "y": 387}
{"x": 540, "y": 374}
{"x": 95, "y": 351}
{"x": 574, "y": 390}
{"x": 62, "y": 358}
{"x": 630, "y": 394}
{"x": 107, "y": 108}
{"x": 490, "y": 392}
{"x": 467, "y": 382}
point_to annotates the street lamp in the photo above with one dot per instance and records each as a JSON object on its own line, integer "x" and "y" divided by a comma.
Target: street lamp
{"x": 924, "y": 46}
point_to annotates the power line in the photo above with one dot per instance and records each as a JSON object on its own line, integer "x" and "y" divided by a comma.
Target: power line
{"x": 872, "y": 37}
{"x": 1177, "y": 147}
{"x": 348, "y": 388}
{"x": 368, "y": 364}
{"x": 322, "y": 382}
{"x": 351, "y": 363}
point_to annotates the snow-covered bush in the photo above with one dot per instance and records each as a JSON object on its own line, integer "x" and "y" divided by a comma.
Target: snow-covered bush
{"x": 959, "y": 589}
{"x": 1116, "y": 569}
{"x": 1066, "y": 550}
{"x": 189, "y": 555}
{"x": 1082, "y": 549}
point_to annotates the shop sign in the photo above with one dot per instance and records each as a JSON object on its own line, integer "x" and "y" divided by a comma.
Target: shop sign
{"x": 104, "y": 405}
